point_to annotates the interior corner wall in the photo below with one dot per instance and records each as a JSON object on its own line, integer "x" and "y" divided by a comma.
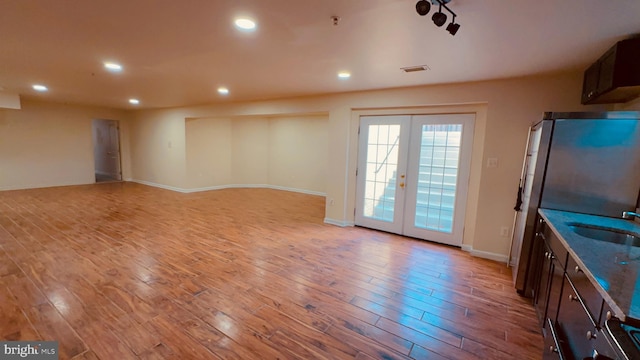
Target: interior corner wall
{"x": 298, "y": 154}
{"x": 208, "y": 152}
{"x": 158, "y": 149}
{"x": 48, "y": 144}
{"x": 283, "y": 152}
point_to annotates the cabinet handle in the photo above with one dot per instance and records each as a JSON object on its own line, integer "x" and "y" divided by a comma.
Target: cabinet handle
{"x": 578, "y": 270}
{"x": 591, "y": 335}
{"x": 550, "y": 256}
{"x": 573, "y": 297}
{"x": 553, "y": 349}
{"x": 609, "y": 315}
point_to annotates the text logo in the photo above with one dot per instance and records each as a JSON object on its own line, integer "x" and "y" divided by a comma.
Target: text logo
{"x": 32, "y": 350}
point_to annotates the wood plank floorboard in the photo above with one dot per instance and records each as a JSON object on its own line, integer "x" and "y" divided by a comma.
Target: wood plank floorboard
{"x": 127, "y": 271}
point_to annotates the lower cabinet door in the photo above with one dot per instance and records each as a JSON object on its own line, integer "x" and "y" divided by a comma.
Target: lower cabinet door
{"x": 574, "y": 324}
{"x": 542, "y": 294}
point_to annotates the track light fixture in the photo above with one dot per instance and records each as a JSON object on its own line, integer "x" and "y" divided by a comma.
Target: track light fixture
{"x": 453, "y": 27}
{"x": 423, "y": 7}
{"x": 439, "y": 18}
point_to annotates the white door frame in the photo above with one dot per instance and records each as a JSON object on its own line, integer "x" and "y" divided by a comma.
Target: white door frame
{"x": 389, "y": 163}
{"x": 478, "y": 108}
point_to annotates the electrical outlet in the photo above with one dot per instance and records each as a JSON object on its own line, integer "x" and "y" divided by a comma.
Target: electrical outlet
{"x": 504, "y": 231}
{"x": 492, "y": 162}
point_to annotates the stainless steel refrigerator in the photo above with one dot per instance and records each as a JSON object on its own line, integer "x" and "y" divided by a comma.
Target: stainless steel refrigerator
{"x": 580, "y": 162}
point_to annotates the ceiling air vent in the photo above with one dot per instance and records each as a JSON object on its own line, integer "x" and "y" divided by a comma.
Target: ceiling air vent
{"x": 410, "y": 69}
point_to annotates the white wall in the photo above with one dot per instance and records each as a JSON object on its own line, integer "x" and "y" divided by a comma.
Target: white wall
{"x": 45, "y": 144}
{"x": 208, "y": 153}
{"x": 158, "y": 149}
{"x": 250, "y": 151}
{"x": 298, "y": 155}
{"x": 282, "y": 152}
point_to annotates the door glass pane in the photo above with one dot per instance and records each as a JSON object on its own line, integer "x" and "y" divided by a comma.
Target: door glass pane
{"x": 380, "y": 173}
{"x": 438, "y": 175}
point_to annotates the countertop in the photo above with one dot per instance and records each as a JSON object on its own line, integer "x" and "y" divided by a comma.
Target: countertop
{"x": 614, "y": 269}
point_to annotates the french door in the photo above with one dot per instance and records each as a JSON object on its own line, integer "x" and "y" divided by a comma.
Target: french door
{"x": 413, "y": 174}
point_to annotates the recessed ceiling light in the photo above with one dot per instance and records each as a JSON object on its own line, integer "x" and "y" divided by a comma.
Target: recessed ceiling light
{"x": 113, "y": 66}
{"x": 134, "y": 101}
{"x": 245, "y": 24}
{"x": 344, "y": 75}
{"x": 223, "y": 91}
{"x": 40, "y": 88}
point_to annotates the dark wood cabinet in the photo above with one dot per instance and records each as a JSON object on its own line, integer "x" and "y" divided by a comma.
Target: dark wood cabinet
{"x": 575, "y": 324}
{"x": 553, "y": 348}
{"x": 553, "y": 261}
{"x": 615, "y": 76}
{"x": 555, "y": 290}
{"x": 571, "y": 310}
{"x": 541, "y": 300}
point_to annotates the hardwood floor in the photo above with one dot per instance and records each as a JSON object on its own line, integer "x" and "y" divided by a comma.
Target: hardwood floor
{"x": 126, "y": 271}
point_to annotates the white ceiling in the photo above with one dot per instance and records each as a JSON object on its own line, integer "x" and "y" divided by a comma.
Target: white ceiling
{"x": 177, "y": 52}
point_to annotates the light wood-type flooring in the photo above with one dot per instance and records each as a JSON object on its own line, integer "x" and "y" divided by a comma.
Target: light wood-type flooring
{"x": 125, "y": 271}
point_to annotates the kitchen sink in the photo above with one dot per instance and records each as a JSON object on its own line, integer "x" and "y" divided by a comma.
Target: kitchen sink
{"x": 606, "y": 234}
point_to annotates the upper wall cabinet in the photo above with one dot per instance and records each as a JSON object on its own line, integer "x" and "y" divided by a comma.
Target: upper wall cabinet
{"x": 615, "y": 77}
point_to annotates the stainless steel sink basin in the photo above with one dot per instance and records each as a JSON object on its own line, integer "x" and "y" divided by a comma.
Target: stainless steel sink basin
{"x": 605, "y": 234}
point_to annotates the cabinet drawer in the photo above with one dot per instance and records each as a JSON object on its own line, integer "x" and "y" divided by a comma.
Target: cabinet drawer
{"x": 591, "y": 298}
{"x": 575, "y": 323}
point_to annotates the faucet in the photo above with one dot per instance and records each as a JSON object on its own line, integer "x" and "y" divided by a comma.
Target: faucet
{"x": 629, "y": 215}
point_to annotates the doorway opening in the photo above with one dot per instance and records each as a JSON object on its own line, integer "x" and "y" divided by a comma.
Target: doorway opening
{"x": 413, "y": 175}
{"x": 106, "y": 150}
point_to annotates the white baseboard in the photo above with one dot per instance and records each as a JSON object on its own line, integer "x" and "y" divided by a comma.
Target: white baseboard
{"x": 303, "y": 191}
{"x": 40, "y": 186}
{"x": 230, "y": 186}
{"x": 485, "y": 255}
{"x": 341, "y": 223}
{"x": 161, "y": 186}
